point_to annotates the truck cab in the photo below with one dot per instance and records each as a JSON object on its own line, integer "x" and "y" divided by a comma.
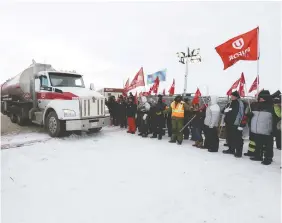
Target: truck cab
{"x": 57, "y": 100}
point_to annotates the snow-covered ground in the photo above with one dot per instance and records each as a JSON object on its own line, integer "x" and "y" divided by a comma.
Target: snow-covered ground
{"x": 116, "y": 177}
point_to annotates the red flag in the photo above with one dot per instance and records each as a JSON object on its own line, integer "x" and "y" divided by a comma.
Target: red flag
{"x": 155, "y": 87}
{"x": 254, "y": 85}
{"x": 242, "y": 47}
{"x": 164, "y": 92}
{"x": 196, "y": 97}
{"x": 171, "y": 90}
{"x": 137, "y": 81}
{"x": 242, "y": 84}
{"x": 234, "y": 86}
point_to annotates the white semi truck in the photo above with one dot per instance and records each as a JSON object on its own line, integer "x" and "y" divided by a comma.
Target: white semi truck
{"x": 56, "y": 100}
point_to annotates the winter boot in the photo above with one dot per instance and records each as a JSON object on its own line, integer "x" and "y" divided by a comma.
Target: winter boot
{"x": 249, "y": 153}
{"x": 266, "y": 162}
{"x": 200, "y": 145}
{"x": 145, "y": 135}
{"x": 196, "y": 144}
{"x": 256, "y": 158}
{"x": 212, "y": 151}
{"x": 153, "y": 136}
{"x": 140, "y": 134}
{"x": 228, "y": 151}
{"x": 160, "y": 136}
{"x": 179, "y": 142}
{"x": 238, "y": 155}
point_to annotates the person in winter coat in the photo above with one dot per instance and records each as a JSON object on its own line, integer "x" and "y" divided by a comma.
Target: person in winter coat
{"x": 252, "y": 145}
{"x": 226, "y": 132}
{"x": 168, "y": 123}
{"x": 152, "y": 116}
{"x": 177, "y": 109}
{"x": 211, "y": 122}
{"x": 187, "y": 118}
{"x": 198, "y": 124}
{"x": 233, "y": 119}
{"x": 131, "y": 110}
{"x": 122, "y": 112}
{"x": 112, "y": 106}
{"x": 262, "y": 126}
{"x": 159, "y": 118}
{"x": 144, "y": 108}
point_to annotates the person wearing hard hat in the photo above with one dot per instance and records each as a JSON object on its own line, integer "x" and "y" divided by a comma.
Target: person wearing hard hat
{"x": 177, "y": 109}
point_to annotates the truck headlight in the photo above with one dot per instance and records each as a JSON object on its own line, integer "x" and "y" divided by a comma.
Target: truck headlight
{"x": 69, "y": 113}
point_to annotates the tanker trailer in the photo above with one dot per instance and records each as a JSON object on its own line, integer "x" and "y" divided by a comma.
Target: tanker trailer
{"x": 53, "y": 99}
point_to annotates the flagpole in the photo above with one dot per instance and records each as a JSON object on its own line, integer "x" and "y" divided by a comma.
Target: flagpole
{"x": 186, "y": 74}
{"x": 258, "y": 46}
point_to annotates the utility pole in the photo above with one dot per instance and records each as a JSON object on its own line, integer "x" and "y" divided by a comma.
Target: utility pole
{"x": 189, "y": 57}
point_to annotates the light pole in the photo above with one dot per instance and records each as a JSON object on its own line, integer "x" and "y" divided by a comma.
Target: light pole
{"x": 190, "y": 57}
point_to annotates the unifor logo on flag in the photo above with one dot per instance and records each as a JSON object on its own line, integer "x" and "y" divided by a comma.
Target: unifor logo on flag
{"x": 152, "y": 77}
{"x": 238, "y": 44}
{"x": 242, "y": 47}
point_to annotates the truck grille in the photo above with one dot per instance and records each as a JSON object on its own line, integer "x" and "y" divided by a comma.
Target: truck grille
{"x": 90, "y": 107}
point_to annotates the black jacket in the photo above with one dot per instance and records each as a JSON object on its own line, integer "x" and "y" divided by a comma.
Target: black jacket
{"x": 131, "y": 110}
{"x": 122, "y": 108}
{"x": 230, "y": 116}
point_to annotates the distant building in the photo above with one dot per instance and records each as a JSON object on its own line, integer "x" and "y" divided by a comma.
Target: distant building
{"x": 107, "y": 92}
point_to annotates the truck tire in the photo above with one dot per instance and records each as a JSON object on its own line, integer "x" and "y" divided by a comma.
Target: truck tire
{"x": 13, "y": 118}
{"x": 54, "y": 125}
{"x": 20, "y": 120}
{"x": 95, "y": 130}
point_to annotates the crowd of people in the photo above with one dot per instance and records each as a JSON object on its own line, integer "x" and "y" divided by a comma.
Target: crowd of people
{"x": 183, "y": 119}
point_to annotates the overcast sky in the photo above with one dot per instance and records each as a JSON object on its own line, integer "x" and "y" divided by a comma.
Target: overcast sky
{"x": 109, "y": 42}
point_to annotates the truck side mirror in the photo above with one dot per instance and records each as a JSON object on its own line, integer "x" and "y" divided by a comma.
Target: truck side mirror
{"x": 37, "y": 85}
{"x": 92, "y": 88}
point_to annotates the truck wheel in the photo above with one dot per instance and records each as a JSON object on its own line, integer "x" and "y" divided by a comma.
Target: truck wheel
{"x": 13, "y": 118}
{"x": 95, "y": 130}
{"x": 20, "y": 120}
{"x": 53, "y": 125}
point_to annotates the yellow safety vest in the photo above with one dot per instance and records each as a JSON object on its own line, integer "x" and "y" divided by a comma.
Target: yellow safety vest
{"x": 178, "y": 110}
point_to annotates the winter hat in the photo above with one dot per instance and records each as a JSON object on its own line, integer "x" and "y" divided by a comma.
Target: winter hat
{"x": 186, "y": 99}
{"x": 264, "y": 94}
{"x": 178, "y": 97}
{"x": 235, "y": 94}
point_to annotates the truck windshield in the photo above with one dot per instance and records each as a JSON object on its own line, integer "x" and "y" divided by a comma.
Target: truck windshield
{"x": 66, "y": 80}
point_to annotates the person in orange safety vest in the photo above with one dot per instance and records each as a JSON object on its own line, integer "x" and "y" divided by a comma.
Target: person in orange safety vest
{"x": 177, "y": 109}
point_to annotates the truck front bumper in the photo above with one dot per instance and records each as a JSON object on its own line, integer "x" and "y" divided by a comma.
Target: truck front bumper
{"x": 87, "y": 124}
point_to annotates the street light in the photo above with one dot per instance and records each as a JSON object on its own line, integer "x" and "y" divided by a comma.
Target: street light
{"x": 190, "y": 57}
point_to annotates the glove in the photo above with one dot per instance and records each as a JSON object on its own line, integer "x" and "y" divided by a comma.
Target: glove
{"x": 144, "y": 117}
{"x": 227, "y": 110}
{"x": 250, "y": 115}
{"x": 240, "y": 128}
